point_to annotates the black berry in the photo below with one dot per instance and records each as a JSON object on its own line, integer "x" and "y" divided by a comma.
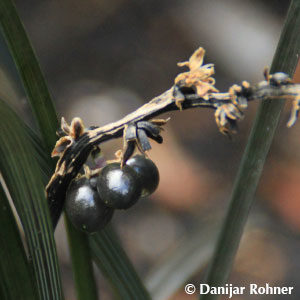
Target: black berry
{"x": 147, "y": 173}
{"x": 118, "y": 188}
{"x": 84, "y": 207}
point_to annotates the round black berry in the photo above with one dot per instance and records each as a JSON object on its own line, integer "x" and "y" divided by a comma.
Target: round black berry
{"x": 84, "y": 207}
{"x": 147, "y": 172}
{"x": 118, "y": 188}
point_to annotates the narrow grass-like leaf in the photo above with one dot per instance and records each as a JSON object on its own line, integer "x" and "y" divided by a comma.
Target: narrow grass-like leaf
{"x": 14, "y": 266}
{"x": 29, "y": 70}
{"x": 43, "y": 159}
{"x": 251, "y": 166}
{"x": 44, "y": 112}
{"x": 32, "y": 78}
{"x": 85, "y": 283}
{"x": 115, "y": 265}
{"x": 191, "y": 255}
{"x": 86, "y": 289}
{"x": 23, "y": 179}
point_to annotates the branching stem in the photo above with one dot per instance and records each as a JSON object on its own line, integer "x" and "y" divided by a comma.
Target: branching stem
{"x": 192, "y": 89}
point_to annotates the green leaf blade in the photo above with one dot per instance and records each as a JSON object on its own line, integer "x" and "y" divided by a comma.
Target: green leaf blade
{"x": 30, "y": 72}
{"x": 261, "y": 136}
{"x": 24, "y": 181}
{"x": 45, "y": 115}
{"x": 116, "y": 267}
{"x": 14, "y": 266}
{"x": 83, "y": 274}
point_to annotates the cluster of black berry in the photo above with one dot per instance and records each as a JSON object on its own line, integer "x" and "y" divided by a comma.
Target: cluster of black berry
{"x": 90, "y": 202}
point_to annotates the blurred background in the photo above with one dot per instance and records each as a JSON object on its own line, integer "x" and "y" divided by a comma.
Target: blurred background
{"x": 104, "y": 58}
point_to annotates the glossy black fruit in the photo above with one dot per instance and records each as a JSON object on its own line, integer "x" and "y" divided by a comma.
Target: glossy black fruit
{"x": 147, "y": 172}
{"x": 84, "y": 207}
{"x": 118, "y": 188}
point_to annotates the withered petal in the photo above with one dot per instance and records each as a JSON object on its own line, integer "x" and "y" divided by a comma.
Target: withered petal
{"x": 77, "y": 128}
{"x": 196, "y": 60}
{"x": 61, "y": 145}
{"x": 64, "y": 126}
